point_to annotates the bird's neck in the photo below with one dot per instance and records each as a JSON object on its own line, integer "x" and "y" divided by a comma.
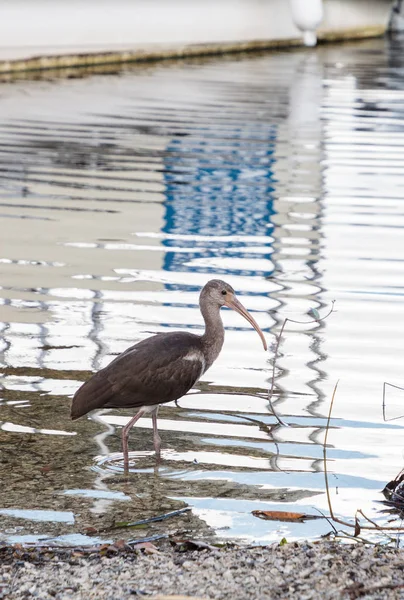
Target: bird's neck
{"x": 213, "y": 338}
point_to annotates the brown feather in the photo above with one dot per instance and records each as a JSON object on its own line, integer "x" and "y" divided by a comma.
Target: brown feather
{"x": 151, "y": 372}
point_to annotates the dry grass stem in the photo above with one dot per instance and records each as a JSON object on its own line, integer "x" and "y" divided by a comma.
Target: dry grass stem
{"x": 397, "y": 387}
{"x": 278, "y": 341}
{"x": 355, "y": 525}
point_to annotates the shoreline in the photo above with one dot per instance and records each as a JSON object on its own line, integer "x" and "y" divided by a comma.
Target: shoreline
{"x": 304, "y": 570}
{"x": 33, "y": 62}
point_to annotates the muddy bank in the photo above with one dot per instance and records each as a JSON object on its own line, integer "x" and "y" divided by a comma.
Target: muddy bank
{"x": 306, "y": 570}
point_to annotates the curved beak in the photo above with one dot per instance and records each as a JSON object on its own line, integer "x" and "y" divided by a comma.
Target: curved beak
{"x": 238, "y": 307}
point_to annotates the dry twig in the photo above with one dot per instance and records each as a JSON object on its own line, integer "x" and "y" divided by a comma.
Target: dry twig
{"x": 397, "y": 387}
{"x": 356, "y": 525}
{"x": 318, "y": 319}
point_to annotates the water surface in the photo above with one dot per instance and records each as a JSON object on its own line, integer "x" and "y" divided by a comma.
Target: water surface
{"x": 121, "y": 195}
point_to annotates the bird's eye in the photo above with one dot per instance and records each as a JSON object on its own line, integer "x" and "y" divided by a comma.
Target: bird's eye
{"x": 224, "y": 292}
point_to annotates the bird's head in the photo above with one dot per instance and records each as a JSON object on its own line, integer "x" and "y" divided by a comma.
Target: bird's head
{"x": 219, "y": 293}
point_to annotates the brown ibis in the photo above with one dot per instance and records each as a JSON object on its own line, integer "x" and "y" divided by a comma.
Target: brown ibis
{"x": 161, "y": 368}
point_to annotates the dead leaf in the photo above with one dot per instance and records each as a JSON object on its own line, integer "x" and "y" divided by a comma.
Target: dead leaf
{"x": 120, "y": 545}
{"x": 90, "y": 530}
{"x": 18, "y": 547}
{"x": 103, "y": 549}
{"x": 282, "y": 515}
{"x": 148, "y": 547}
{"x": 394, "y": 491}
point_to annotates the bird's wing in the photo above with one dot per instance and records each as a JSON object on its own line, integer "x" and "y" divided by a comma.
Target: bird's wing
{"x": 157, "y": 370}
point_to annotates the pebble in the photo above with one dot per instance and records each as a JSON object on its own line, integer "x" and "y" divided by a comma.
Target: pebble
{"x": 324, "y": 570}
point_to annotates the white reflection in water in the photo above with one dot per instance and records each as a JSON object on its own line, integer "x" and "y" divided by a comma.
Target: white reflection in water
{"x": 209, "y": 238}
{"x": 248, "y": 284}
{"x": 251, "y": 264}
{"x": 14, "y": 427}
{"x": 217, "y": 458}
{"x": 105, "y": 494}
{"x": 217, "y": 402}
{"x": 39, "y": 515}
{"x": 248, "y": 431}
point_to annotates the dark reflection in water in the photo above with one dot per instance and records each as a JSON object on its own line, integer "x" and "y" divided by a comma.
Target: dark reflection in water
{"x": 121, "y": 196}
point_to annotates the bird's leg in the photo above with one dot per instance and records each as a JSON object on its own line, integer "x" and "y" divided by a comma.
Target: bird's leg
{"x": 125, "y": 437}
{"x": 156, "y": 437}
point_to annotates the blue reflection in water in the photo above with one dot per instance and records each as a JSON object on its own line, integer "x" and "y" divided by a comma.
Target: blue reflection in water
{"x": 219, "y": 192}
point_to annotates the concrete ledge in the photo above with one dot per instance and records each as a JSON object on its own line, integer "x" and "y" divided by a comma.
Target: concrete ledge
{"x": 152, "y": 53}
{"x": 93, "y": 61}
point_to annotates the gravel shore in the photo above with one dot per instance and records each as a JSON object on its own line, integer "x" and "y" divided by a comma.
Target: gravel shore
{"x": 324, "y": 570}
